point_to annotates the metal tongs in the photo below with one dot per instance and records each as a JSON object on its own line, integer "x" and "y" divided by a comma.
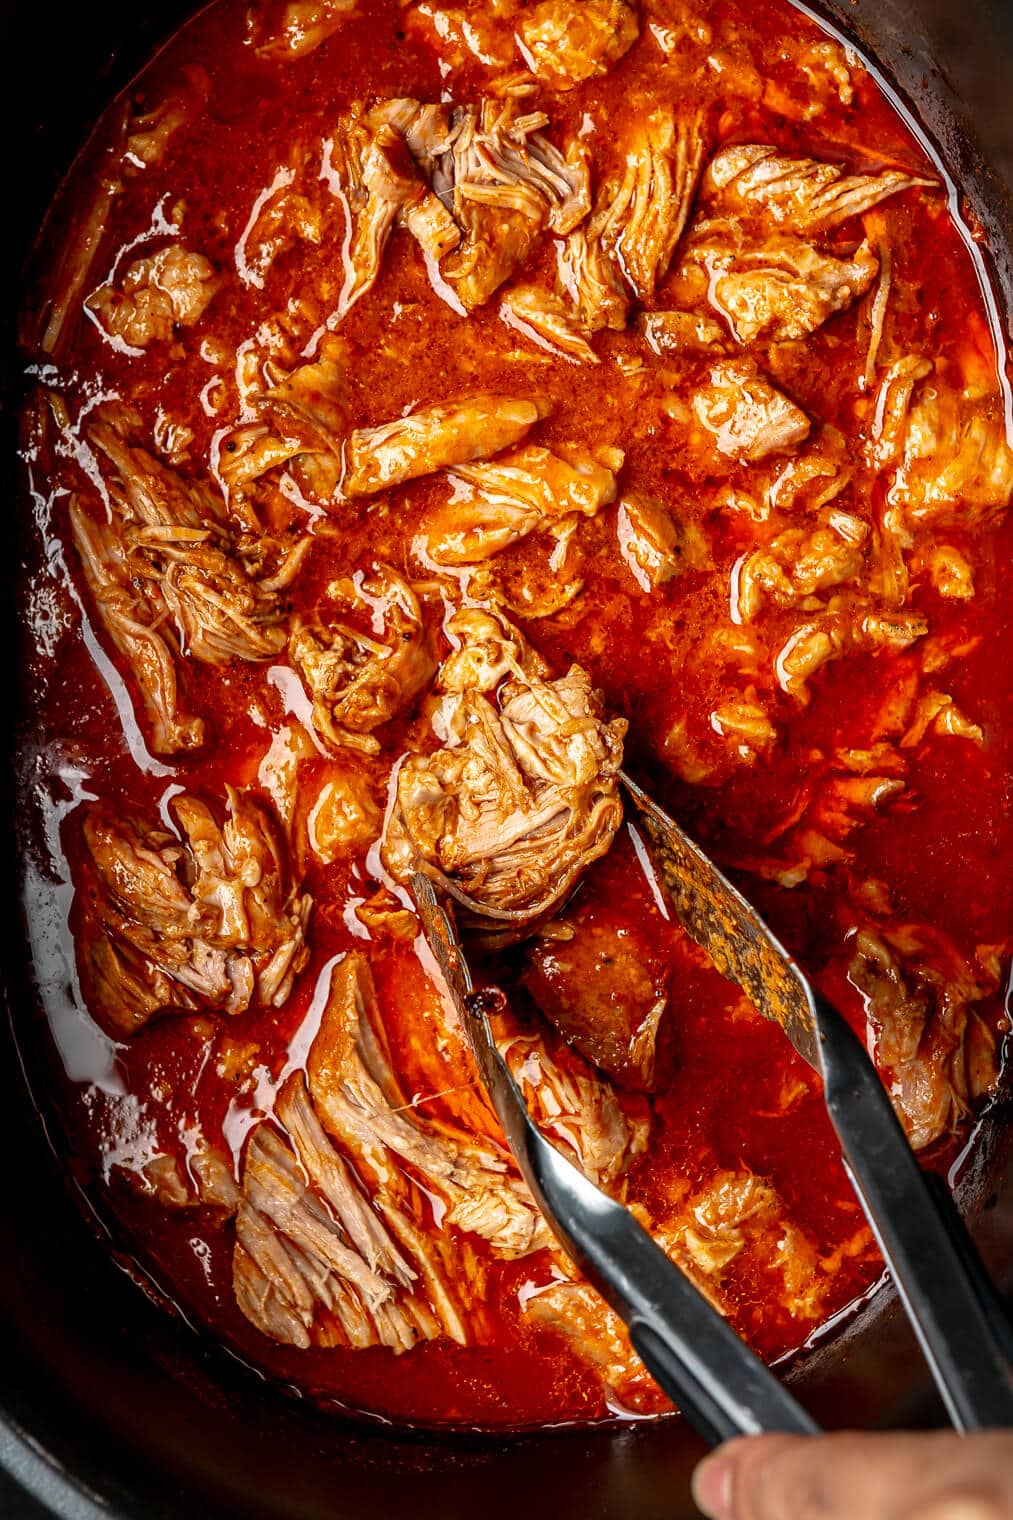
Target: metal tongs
{"x": 719, "y": 1384}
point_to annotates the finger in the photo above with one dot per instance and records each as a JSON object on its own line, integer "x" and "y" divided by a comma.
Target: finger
{"x": 877, "y": 1477}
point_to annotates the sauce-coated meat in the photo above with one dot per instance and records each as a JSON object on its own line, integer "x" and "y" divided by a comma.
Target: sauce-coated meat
{"x": 435, "y": 408}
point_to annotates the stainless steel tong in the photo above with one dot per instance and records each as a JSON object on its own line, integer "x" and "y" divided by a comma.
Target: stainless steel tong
{"x": 957, "y": 1315}
{"x": 721, "y": 1387}
{"x": 718, "y": 1383}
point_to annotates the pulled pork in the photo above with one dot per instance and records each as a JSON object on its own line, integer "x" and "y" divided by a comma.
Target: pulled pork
{"x": 356, "y": 1213}
{"x": 748, "y": 417}
{"x": 359, "y": 680}
{"x": 776, "y": 289}
{"x": 506, "y": 185}
{"x": 435, "y": 438}
{"x": 919, "y": 991}
{"x": 494, "y": 505}
{"x": 169, "y": 581}
{"x": 209, "y": 920}
{"x": 801, "y": 194}
{"x": 568, "y": 41}
{"x": 521, "y": 796}
{"x": 156, "y": 294}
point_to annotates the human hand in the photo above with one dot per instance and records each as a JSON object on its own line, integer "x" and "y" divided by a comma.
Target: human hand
{"x": 937, "y": 1475}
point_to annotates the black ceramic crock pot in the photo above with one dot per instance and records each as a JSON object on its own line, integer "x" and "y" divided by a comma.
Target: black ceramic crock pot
{"x": 111, "y": 1407}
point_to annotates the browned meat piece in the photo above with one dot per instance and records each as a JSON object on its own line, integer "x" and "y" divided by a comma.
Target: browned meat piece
{"x": 654, "y": 546}
{"x": 592, "y": 280}
{"x": 802, "y": 194}
{"x": 212, "y": 921}
{"x": 605, "y": 992}
{"x": 344, "y": 815}
{"x": 313, "y": 1263}
{"x": 302, "y": 419}
{"x": 806, "y": 482}
{"x": 487, "y": 651}
{"x": 738, "y": 1213}
{"x": 508, "y": 184}
{"x": 303, "y": 426}
{"x": 137, "y": 631}
{"x": 797, "y": 564}
{"x": 519, "y": 800}
{"x": 381, "y": 185}
{"x": 169, "y": 288}
{"x": 747, "y": 416}
{"x": 359, "y": 680}
{"x": 167, "y": 580}
{"x": 311, "y": 399}
{"x": 952, "y": 460}
{"x": 746, "y": 724}
{"x": 578, "y": 1112}
{"x": 289, "y": 29}
{"x": 494, "y": 505}
{"x": 778, "y": 288}
{"x": 735, "y": 1214}
{"x": 936, "y": 712}
{"x": 357, "y": 1097}
{"x": 950, "y": 572}
{"x": 567, "y": 41}
{"x": 814, "y": 644}
{"x": 544, "y": 317}
{"x": 937, "y": 1057}
{"x": 639, "y": 217}
{"x": 682, "y": 332}
{"x": 436, "y": 437}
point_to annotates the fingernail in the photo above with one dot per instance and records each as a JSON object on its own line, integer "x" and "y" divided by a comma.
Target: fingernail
{"x": 712, "y": 1487}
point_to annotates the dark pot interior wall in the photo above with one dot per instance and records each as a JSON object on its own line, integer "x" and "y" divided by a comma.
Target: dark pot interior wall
{"x": 102, "y": 1391}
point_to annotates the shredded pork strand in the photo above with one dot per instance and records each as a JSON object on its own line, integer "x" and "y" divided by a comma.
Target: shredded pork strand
{"x": 168, "y": 581}
{"x": 382, "y": 186}
{"x": 640, "y": 215}
{"x": 568, "y": 41}
{"x": 496, "y": 504}
{"x": 435, "y": 437}
{"x": 156, "y": 295}
{"x": 799, "y": 194}
{"x": 356, "y": 1212}
{"x": 506, "y": 184}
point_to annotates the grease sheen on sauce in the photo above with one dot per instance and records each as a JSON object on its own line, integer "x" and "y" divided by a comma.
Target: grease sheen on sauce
{"x": 947, "y": 858}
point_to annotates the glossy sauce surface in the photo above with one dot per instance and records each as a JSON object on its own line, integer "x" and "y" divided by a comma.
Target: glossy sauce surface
{"x": 730, "y": 1093}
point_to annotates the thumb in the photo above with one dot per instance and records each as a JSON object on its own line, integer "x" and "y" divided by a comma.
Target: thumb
{"x": 939, "y": 1475}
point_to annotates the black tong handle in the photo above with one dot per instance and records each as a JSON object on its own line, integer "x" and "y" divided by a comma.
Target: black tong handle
{"x": 957, "y": 1315}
